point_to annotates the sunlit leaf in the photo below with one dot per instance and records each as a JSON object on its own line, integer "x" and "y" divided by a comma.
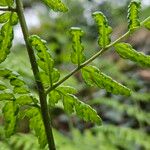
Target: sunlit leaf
{"x": 133, "y": 15}
{"x": 36, "y": 123}
{"x": 77, "y": 56}
{"x": 6, "y": 2}
{"x": 94, "y": 77}
{"x": 17, "y": 82}
{"x": 24, "y": 100}
{"x": 21, "y": 90}
{"x": 73, "y": 104}
{"x": 2, "y": 86}
{"x": 56, "y": 5}
{"x": 54, "y": 97}
{"x": 10, "y": 111}
{"x": 6, "y": 96}
{"x": 6, "y": 37}
{"x": 147, "y": 24}
{"x": 126, "y": 51}
{"x": 45, "y": 61}
{"x": 67, "y": 90}
{"x": 4, "y": 17}
{"x": 104, "y": 29}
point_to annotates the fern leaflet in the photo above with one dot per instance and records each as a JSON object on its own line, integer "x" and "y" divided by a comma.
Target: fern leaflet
{"x": 77, "y": 56}
{"x": 133, "y": 15}
{"x": 45, "y": 61}
{"x": 103, "y": 29}
{"x": 93, "y": 76}
{"x": 56, "y": 5}
{"x": 126, "y": 51}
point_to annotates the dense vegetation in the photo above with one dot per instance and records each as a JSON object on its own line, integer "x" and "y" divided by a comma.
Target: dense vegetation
{"x": 113, "y": 90}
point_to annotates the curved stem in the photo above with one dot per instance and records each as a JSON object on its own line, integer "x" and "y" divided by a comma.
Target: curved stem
{"x": 100, "y": 52}
{"x": 41, "y": 92}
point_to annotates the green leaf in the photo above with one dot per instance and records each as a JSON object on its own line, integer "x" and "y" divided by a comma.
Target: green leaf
{"x": 54, "y": 97}
{"x": 68, "y": 103}
{"x": 4, "y": 17}
{"x": 103, "y": 29}
{"x": 24, "y": 100}
{"x": 94, "y": 77}
{"x": 72, "y": 103}
{"x": 6, "y": 33}
{"x": 19, "y": 86}
{"x": 17, "y": 82}
{"x": 21, "y": 90}
{"x": 56, "y": 5}
{"x": 147, "y": 24}
{"x": 66, "y": 90}
{"x": 126, "y": 51}
{"x": 77, "y": 56}
{"x": 36, "y": 123}
{"x": 5, "y": 73}
{"x": 133, "y": 15}
{"x": 10, "y": 111}
{"x": 6, "y": 2}
{"x": 2, "y": 86}
{"x": 6, "y": 37}
{"x": 13, "y": 18}
{"x": 45, "y": 61}
{"x": 6, "y": 96}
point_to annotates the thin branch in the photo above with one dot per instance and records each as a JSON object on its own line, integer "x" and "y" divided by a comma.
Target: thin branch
{"x": 42, "y": 96}
{"x": 100, "y": 52}
{"x": 8, "y": 9}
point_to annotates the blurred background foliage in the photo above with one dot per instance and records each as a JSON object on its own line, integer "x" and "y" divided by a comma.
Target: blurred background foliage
{"x": 126, "y": 120}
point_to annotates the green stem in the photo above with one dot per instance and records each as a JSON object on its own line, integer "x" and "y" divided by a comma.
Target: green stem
{"x": 41, "y": 91}
{"x": 100, "y": 52}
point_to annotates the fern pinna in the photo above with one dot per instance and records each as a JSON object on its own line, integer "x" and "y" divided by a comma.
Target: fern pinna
{"x": 19, "y": 100}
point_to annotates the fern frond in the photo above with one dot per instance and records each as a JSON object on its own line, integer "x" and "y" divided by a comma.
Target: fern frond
{"x": 131, "y": 110}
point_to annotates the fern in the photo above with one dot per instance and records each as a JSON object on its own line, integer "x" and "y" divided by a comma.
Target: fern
{"x": 103, "y": 29}
{"x": 19, "y": 101}
{"x": 56, "y": 5}
{"x": 72, "y": 104}
{"x": 127, "y": 52}
{"x": 143, "y": 97}
{"x": 17, "y": 94}
{"x": 2, "y": 86}
{"x": 77, "y": 56}
{"x": 36, "y": 123}
{"x": 133, "y": 15}
{"x": 6, "y": 35}
{"x": 6, "y": 2}
{"x": 131, "y": 110}
{"x": 147, "y": 24}
{"x": 124, "y": 136}
{"x": 10, "y": 111}
{"x": 94, "y": 77}
{"x": 45, "y": 61}
{"x": 4, "y": 17}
